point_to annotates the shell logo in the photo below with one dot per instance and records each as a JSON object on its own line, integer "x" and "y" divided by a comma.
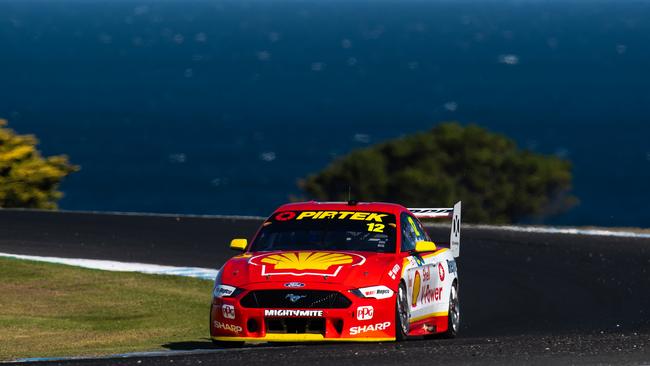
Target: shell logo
{"x": 306, "y": 260}
{"x": 417, "y": 281}
{"x": 305, "y": 263}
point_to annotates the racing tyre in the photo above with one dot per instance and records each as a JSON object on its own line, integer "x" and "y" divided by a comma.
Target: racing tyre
{"x": 453, "y": 318}
{"x": 402, "y": 314}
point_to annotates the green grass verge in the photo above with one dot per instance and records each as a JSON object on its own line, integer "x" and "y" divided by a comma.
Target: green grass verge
{"x": 49, "y": 310}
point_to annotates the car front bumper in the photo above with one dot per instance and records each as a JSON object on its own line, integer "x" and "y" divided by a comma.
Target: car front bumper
{"x": 365, "y": 320}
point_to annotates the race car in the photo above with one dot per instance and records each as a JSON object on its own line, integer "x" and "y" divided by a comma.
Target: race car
{"x": 323, "y": 271}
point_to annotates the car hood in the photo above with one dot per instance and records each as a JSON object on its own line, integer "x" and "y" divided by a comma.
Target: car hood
{"x": 346, "y": 268}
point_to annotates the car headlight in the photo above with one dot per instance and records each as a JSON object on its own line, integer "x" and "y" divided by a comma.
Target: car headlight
{"x": 373, "y": 292}
{"x": 220, "y": 290}
{"x": 226, "y": 291}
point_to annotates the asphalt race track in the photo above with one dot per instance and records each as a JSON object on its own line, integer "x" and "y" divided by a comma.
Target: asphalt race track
{"x": 525, "y": 298}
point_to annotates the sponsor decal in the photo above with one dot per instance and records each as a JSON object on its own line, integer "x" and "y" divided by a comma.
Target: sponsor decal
{"x": 441, "y": 271}
{"x": 223, "y": 291}
{"x": 294, "y": 284}
{"x": 365, "y": 312}
{"x": 417, "y": 283}
{"x": 441, "y": 211}
{"x": 305, "y": 263}
{"x": 455, "y": 226}
{"x": 228, "y": 311}
{"x": 412, "y": 262}
{"x": 331, "y": 215}
{"x": 285, "y": 216}
{"x": 452, "y": 266}
{"x": 426, "y": 273}
{"x": 307, "y": 260}
{"x": 369, "y": 328}
{"x": 293, "y": 313}
{"x": 376, "y": 217}
{"x": 231, "y": 327}
{"x": 423, "y": 293}
{"x": 431, "y": 295}
{"x": 377, "y": 292}
{"x": 418, "y": 260}
{"x": 394, "y": 271}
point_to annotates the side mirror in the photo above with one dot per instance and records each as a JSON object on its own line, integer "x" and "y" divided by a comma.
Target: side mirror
{"x": 239, "y": 244}
{"x": 425, "y": 246}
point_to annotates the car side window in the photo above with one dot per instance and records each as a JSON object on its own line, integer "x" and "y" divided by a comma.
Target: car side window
{"x": 409, "y": 236}
{"x": 420, "y": 233}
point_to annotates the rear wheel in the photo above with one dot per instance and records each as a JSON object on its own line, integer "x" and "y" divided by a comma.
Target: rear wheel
{"x": 402, "y": 314}
{"x": 453, "y": 318}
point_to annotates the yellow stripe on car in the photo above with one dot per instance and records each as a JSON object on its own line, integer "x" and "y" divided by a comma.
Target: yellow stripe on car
{"x": 435, "y": 253}
{"x": 299, "y": 338}
{"x": 432, "y": 315}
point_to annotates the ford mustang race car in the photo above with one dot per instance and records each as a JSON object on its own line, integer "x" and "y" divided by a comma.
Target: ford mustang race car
{"x": 339, "y": 272}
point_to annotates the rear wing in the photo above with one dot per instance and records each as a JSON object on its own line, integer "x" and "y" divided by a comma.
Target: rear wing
{"x": 452, "y": 213}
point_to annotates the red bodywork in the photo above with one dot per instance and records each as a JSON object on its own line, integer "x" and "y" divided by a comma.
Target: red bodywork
{"x": 365, "y": 319}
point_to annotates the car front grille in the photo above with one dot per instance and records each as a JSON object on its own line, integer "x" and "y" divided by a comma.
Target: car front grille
{"x": 295, "y": 299}
{"x": 295, "y": 325}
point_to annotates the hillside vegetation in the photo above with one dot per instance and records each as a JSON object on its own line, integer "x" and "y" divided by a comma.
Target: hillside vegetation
{"x": 497, "y": 181}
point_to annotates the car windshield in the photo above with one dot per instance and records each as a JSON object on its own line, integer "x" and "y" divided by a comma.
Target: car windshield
{"x": 327, "y": 230}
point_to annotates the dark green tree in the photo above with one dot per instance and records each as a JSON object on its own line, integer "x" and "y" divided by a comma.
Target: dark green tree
{"x": 497, "y": 181}
{"x": 27, "y": 179}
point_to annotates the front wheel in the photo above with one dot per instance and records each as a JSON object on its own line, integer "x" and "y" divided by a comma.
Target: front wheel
{"x": 402, "y": 314}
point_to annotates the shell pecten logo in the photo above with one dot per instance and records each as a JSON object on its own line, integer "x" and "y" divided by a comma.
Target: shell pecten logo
{"x": 417, "y": 282}
{"x": 305, "y": 263}
{"x": 307, "y": 260}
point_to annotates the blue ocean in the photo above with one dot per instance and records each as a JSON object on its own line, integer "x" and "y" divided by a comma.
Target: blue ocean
{"x": 219, "y": 107}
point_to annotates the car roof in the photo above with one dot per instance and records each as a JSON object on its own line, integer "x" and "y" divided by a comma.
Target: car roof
{"x": 391, "y": 208}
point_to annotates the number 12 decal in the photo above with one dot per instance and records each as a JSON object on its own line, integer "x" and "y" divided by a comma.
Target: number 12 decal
{"x": 377, "y": 228}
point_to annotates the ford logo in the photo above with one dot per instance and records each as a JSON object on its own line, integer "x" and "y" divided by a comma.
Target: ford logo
{"x": 294, "y": 284}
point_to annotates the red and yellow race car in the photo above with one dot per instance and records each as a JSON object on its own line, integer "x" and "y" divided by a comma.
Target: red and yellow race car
{"x": 339, "y": 272}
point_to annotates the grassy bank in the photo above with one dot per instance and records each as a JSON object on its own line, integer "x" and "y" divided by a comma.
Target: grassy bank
{"x": 55, "y": 310}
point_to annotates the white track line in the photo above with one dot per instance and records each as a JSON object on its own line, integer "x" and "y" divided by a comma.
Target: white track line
{"x": 551, "y": 230}
{"x": 142, "y": 214}
{"x": 210, "y": 274}
{"x": 202, "y": 273}
{"x": 566, "y": 230}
